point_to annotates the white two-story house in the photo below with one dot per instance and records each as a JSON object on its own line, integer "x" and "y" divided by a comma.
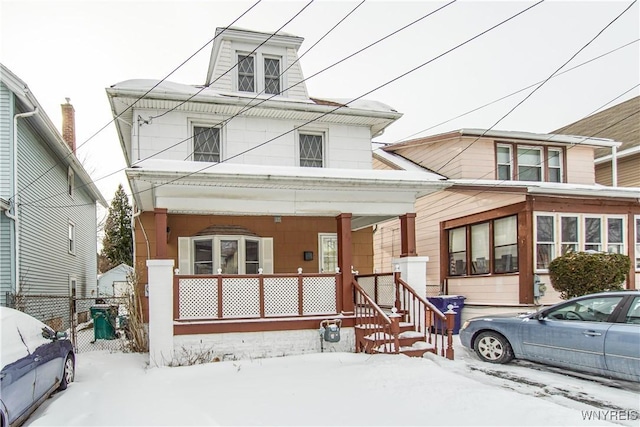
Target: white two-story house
{"x": 247, "y": 174}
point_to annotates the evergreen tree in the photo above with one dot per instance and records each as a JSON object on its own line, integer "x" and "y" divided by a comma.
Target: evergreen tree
{"x": 117, "y": 245}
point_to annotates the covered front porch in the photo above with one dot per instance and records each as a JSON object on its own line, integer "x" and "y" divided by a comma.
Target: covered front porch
{"x": 248, "y": 246}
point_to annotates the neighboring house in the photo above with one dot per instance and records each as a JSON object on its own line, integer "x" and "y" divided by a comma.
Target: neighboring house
{"x": 257, "y": 193}
{"x": 517, "y": 200}
{"x": 621, "y": 123}
{"x": 115, "y": 282}
{"x": 48, "y": 218}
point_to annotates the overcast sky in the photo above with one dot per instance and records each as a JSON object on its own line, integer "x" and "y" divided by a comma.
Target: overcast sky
{"x": 76, "y": 49}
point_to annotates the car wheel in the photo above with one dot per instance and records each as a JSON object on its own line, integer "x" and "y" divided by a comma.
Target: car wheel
{"x": 493, "y": 347}
{"x": 68, "y": 373}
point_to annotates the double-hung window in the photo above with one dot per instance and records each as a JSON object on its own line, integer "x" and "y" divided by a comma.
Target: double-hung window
{"x": 637, "y": 233}
{"x": 545, "y": 241}
{"x": 311, "y": 150}
{"x": 272, "y": 76}
{"x": 206, "y": 144}
{"x": 569, "y": 234}
{"x": 71, "y": 245}
{"x": 246, "y": 73}
{"x": 458, "y": 251}
{"x": 529, "y": 164}
{"x": 505, "y": 162}
{"x": 554, "y": 165}
{"x": 71, "y": 177}
{"x": 615, "y": 239}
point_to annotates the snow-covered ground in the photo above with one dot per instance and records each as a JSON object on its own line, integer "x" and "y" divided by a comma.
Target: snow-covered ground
{"x": 117, "y": 389}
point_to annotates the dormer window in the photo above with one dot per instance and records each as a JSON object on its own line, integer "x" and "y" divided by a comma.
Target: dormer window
{"x": 246, "y": 73}
{"x": 529, "y": 163}
{"x": 272, "y": 76}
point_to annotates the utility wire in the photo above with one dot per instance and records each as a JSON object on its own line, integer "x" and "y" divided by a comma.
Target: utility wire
{"x": 510, "y": 95}
{"x": 539, "y": 86}
{"x": 235, "y": 65}
{"x": 131, "y": 106}
{"x": 153, "y": 187}
{"x": 245, "y": 109}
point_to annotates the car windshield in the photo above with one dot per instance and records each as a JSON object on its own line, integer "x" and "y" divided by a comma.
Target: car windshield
{"x": 590, "y": 309}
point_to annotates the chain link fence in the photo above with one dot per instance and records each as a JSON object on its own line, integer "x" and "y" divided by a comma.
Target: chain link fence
{"x": 92, "y": 324}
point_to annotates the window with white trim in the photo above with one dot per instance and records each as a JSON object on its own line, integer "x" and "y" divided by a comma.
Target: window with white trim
{"x": 554, "y": 164}
{"x": 529, "y": 163}
{"x": 72, "y": 238}
{"x": 271, "y": 75}
{"x": 246, "y": 73}
{"x": 637, "y": 234}
{"x": 71, "y": 177}
{"x": 505, "y": 162}
{"x": 206, "y": 144}
{"x": 311, "y": 148}
{"x": 557, "y": 234}
{"x": 328, "y": 252}
{"x": 232, "y": 254}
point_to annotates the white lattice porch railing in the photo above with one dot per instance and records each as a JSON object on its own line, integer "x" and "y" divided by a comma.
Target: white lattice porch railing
{"x": 254, "y": 296}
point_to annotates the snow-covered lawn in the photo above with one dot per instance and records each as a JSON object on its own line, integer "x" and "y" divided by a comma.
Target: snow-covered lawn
{"x": 117, "y": 389}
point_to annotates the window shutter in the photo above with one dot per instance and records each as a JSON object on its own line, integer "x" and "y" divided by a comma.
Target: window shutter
{"x": 184, "y": 255}
{"x": 266, "y": 252}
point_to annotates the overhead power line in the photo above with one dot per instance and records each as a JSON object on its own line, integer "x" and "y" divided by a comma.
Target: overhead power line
{"x": 414, "y": 69}
{"x": 131, "y": 106}
{"x": 248, "y": 107}
{"x": 539, "y": 86}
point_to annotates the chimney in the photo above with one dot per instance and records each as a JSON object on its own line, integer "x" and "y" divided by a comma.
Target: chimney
{"x": 69, "y": 125}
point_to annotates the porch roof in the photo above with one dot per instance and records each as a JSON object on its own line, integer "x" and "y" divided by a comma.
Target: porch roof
{"x": 370, "y": 196}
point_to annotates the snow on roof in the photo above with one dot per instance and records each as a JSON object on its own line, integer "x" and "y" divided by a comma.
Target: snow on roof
{"x": 184, "y": 167}
{"x": 403, "y": 163}
{"x": 361, "y": 104}
{"x": 543, "y": 137}
{"x": 554, "y": 188}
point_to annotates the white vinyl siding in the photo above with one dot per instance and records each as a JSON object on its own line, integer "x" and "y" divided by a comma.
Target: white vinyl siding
{"x": 45, "y": 261}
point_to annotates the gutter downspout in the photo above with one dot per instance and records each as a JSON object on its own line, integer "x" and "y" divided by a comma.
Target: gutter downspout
{"x": 614, "y": 166}
{"x": 14, "y": 203}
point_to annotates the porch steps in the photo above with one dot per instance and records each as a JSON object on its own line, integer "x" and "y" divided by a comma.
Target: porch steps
{"x": 411, "y": 342}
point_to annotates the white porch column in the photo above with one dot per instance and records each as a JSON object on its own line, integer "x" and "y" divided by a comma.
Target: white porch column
{"x": 160, "y": 273}
{"x": 413, "y": 270}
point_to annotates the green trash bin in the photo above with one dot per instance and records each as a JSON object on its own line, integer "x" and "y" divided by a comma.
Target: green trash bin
{"x": 104, "y": 321}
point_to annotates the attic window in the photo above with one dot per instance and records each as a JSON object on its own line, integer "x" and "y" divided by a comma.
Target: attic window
{"x": 246, "y": 73}
{"x": 272, "y": 76}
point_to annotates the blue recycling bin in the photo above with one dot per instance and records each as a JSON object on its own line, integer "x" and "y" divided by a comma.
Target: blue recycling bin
{"x": 442, "y": 303}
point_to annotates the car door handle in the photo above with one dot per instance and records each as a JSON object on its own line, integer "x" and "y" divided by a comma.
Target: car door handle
{"x": 592, "y": 333}
{"x": 37, "y": 359}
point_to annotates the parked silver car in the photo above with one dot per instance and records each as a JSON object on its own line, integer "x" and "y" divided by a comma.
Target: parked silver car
{"x": 35, "y": 360}
{"x": 597, "y": 333}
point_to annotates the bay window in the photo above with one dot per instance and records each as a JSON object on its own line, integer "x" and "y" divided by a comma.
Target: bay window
{"x": 505, "y": 240}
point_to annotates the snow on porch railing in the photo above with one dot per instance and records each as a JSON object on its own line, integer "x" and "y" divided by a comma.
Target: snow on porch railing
{"x": 254, "y": 296}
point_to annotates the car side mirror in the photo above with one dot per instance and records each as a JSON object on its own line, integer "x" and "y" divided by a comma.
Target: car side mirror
{"x": 541, "y": 315}
{"x": 61, "y": 335}
{"x": 48, "y": 334}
